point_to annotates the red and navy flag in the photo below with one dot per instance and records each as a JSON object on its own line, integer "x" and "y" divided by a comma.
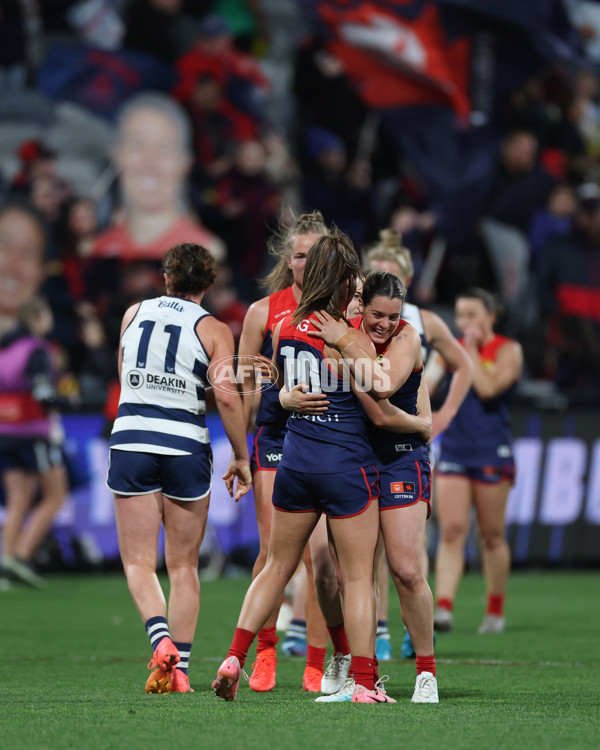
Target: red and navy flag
{"x": 397, "y": 52}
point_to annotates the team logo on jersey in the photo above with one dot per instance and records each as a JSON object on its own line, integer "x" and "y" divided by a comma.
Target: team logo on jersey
{"x": 135, "y": 379}
{"x": 244, "y": 373}
{"x": 397, "y": 488}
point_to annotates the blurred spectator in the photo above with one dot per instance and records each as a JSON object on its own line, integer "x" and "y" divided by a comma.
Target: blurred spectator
{"x": 555, "y": 218}
{"x": 340, "y": 191}
{"x": 79, "y": 235}
{"x": 152, "y": 155}
{"x": 48, "y": 194}
{"x": 248, "y": 204}
{"x": 213, "y": 53}
{"x": 520, "y": 188}
{"x": 36, "y": 160}
{"x": 520, "y": 185}
{"x": 325, "y": 96}
{"x": 218, "y": 126}
{"x": 569, "y": 286}
{"x": 29, "y": 454}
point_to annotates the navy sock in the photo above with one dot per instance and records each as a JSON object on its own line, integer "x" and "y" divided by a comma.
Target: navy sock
{"x": 157, "y": 629}
{"x": 185, "y": 649}
{"x": 382, "y": 629}
{"x": 296, "y": 629}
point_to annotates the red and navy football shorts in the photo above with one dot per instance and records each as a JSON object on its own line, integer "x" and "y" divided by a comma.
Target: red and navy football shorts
{"x": 404, "y": 482}
{"x": 338, "y": 495}
{"x": 267, "y": 448}
{"x": 491, "y": 474}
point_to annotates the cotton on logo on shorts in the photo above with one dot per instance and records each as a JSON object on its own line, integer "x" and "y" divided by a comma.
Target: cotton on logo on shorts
{"x": 400, "y": 487}
{"x": 244, "y": 373}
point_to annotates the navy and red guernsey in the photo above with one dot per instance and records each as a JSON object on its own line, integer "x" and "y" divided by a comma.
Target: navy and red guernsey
{"x": 480, "y": 435}
{"x": 387, "y": 444}
{"x": 336, "y": 440}
{"x": 270, "y": 412}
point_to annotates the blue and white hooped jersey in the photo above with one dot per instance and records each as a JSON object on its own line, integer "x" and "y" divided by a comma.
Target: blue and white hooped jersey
{"x": 412, "y": 314}
{"x": 163, "y": 380}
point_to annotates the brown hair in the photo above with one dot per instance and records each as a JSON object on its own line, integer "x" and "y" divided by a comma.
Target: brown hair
{"x": 190, "y": 269}
{"x": 281, "y": 245}
{"x": 487, "y": 298}
{"x": 331, "y": 261}
{"x": 390, "y": 248}
{"x": 382, "y": 284}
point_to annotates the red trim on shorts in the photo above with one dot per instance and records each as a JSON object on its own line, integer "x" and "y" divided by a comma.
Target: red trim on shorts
{"x": 371, "y": 498}
{"x": 285, "y": 510}
{"x": 420, "y": 483}
{"x": 358, "y": 513}
{"x": 406, "y": 505}
{"x": 258, "y": 466}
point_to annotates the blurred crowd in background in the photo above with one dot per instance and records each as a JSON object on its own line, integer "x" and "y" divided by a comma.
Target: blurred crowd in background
{"x": 132, "y": 125}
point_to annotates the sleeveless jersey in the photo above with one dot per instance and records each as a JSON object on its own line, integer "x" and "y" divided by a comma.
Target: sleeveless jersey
{"x": 390, "y": 445}
{"x": 270, "y": 412}
{"x": 479, "y": 434}
{"x": 163, "y": 380}
{"x": 336, "y": 440}
{"x": 412, "y": 314}
{"x": 21, "y": 415}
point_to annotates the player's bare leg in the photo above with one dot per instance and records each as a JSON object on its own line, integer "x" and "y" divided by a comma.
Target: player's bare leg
{"x": 138, "y": 521}
{"x": 290, "y": 533}
{"x": 264, "y": 676}
{"x": 454, "y": 498}
{"x": 316, "y": 632}
{"x": 53, "y": 485}
{"x": 403, "y": 530}
{"x": 490, "y": 506}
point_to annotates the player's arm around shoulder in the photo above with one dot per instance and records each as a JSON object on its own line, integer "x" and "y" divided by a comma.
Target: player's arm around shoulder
{"x": 218, "y": 342}
{"x": 401, "y": 358}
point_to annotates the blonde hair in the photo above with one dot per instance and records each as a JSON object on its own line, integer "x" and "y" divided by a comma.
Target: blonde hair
{"x": 281, "y": 244}
{"x": 331, "y": 261}
{"x": 390, "y": 249}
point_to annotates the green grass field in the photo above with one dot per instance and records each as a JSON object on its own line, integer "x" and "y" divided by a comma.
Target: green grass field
{"x": 74, "y": 667}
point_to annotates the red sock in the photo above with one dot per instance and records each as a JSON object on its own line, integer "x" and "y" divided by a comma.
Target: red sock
{"x": 315, "y": 657}
{"x": 426, "y": 664}
{"x": 266, "y": 639}
{"x": 445, "y": 604}
{"x": 242, "y": 640}
{"x": 364, "y": 671}
{"x": 339, "y": 640}
{"x": 495, "y": 605}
